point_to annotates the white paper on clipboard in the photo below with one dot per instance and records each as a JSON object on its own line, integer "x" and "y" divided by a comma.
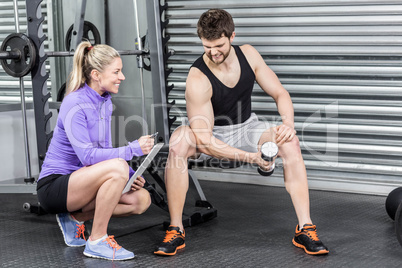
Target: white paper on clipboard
{"x": 148, "y": 159}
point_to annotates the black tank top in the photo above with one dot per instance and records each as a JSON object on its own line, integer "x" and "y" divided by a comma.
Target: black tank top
{"x": 230, "y": 105}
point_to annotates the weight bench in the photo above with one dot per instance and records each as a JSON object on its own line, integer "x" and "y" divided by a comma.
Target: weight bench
{"x": 200, "y": 212}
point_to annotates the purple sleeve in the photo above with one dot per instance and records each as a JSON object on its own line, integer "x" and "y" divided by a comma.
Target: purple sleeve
{"x": 88, "y": 151}
{"x": 131, "y": 172}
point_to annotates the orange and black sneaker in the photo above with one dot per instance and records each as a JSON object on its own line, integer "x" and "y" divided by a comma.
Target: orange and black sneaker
{"x": 307, "y": 239}
{"x": 173, "y": 241}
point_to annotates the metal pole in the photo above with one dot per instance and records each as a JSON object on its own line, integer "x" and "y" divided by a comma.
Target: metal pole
{"x": 71, "y": 53}
{"x": 156, "y": 48}
{"x": 23, "y": 107}
{"x": 78, "y": 27}
{"x": 141, "y": 67}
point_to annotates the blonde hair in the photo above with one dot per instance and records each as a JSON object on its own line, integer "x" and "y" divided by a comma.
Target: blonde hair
{"x": 86, "y": 59}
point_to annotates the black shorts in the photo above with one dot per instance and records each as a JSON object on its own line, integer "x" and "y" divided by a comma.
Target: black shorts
{"x": 52, "y": 193}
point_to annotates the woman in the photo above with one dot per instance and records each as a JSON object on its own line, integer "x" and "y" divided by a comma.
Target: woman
{"x": 83, "y": 176}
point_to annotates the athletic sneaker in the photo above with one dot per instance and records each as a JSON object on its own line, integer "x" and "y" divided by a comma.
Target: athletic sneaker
{"x": 107, "y": 249}
{"x": 308, "y": 240}
{"x": 73, "y": 232}
{"x": 173, "y": 241}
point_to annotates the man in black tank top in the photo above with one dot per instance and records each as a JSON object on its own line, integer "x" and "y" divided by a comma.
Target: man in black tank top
{"x": 226, "y": 100}
{"x": 221, "y": 125}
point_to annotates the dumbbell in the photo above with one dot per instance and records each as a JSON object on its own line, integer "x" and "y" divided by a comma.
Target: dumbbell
{"x": 269, "y": 151}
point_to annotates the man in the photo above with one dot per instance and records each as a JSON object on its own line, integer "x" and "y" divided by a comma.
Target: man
{"x": 221, "y": 125}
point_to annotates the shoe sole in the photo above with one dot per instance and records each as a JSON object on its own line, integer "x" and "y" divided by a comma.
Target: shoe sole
{"x": 100, "y": 257}
{"x": 169, "y": 254}
{"x": 309, "y": 252}
{"x": 64, "y": 237}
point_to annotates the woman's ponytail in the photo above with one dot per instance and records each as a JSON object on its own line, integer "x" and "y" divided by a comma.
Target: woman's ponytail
{"x": 86, "y": 59}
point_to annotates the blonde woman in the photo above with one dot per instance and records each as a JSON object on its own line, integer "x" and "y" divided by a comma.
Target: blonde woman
{"x": 83, "y": 176}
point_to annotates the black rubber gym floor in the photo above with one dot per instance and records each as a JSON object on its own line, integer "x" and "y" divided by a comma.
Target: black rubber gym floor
{"x": 254, "y": 228}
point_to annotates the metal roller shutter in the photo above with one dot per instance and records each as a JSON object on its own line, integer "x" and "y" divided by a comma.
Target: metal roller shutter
{"x": 341, "y": 61}
{"x": 9, "y": 86}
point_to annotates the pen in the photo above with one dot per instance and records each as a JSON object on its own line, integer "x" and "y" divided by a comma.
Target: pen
{"x": 154, "y": 135}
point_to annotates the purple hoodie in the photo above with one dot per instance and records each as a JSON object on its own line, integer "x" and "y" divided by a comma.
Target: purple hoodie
{"x": 82, "y": 135}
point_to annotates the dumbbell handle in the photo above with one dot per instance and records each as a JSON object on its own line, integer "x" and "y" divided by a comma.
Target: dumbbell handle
{"x": 267, "y": 172}
{"x": 269, "y": 151}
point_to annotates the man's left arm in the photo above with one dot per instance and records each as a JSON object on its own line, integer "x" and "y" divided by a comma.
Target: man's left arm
{"x": 270, "y": 83}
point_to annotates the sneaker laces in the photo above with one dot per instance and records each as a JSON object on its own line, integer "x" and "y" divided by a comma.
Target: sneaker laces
{"x": 170, "y": 235}
{"x": 311, "y": 232}
{"x": 112, "y": 243}
{"x": 80, "y": 231}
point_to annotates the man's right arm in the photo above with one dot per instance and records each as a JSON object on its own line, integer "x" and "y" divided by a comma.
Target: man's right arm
{"x": 201, "y": 117}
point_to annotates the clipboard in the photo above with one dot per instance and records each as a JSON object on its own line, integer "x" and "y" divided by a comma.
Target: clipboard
{"x": 148, "y": 159}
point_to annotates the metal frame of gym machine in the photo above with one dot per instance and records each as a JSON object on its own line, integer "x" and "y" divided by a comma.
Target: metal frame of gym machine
{"x": 158, "y": 57}
{"x": 19, "y": 187}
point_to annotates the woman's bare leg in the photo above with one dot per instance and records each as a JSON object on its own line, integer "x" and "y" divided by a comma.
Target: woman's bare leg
{"x": 101, "y": 183}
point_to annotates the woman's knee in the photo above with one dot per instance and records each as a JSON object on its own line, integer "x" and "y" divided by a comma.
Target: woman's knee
{"x": 146, "y": 201}
{"x": 140, "y": 202}
{"x": 118, "y": 168}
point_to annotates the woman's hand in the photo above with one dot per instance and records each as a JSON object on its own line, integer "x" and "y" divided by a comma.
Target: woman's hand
{"x": 138, "y": 183}
{"x": 146, "y": 143}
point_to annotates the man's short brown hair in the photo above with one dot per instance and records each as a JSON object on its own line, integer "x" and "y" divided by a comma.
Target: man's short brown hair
{"x": 215, "y": 22}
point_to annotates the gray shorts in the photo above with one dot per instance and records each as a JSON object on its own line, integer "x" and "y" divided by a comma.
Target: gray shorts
{"x": 244, "y": 136}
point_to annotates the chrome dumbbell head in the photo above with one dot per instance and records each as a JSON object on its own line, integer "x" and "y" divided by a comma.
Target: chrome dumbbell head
{"x": 269, "y": 151}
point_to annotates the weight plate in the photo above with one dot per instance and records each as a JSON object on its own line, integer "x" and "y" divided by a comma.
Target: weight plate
{"x": 23, "y": 45}
{"x": 90, "y": 33}
{"x": 398, "y": 224}
{"x": 61, "y": 93}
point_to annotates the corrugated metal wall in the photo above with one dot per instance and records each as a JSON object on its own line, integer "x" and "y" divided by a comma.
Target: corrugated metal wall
{"x": 10, "y": 86}
{"x": 341, "y": 61}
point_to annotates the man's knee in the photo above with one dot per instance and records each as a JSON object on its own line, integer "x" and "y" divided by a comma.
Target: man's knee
{"x": 295, "y": 143}
{"x": 290, "y": 149}
{"x": 182, "y": 142}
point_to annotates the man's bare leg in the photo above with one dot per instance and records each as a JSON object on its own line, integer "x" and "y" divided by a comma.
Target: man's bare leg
{"x": 181, "y": 146}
